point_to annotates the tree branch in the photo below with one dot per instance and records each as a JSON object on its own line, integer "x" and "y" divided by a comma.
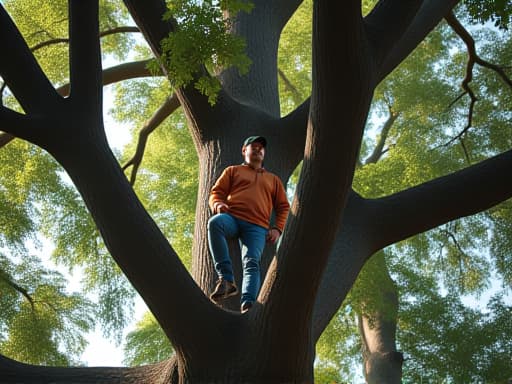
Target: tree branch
{"x": 378, "y": 151}
{"x": 148, "y": 17}
{"x": 426, "y": 19}
{"x": 110, "y": 75}
{"x": 17, "y": 288}
{"x": 130, "y": 234}
{"x": 5, "y": 138}
{"x": 387, "y": 23}
{"x": 463, "y": 33}
{"x": 85, "y": 56}
{"x": 297, "y": 97}
{"x": 20, "y": 70}
{"x": 331, "y": 149}
{"x": 473, "y": 58}
{"x": 17, "y": 124}
{"x": 426, "y": 206}
{"x": 350, "y": 251}
{"x": 125, "y": 29}
{"x": 294, "y": 128}
{"x": 13, "y": 372}
{"x": 118, "y": 73}
{"x": 166, "y": 109}
{"x": 286, "y": 9}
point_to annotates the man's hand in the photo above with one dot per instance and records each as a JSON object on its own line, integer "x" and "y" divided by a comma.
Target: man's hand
{"x": 220, "y": 207}
{"x": 273, "y": 235}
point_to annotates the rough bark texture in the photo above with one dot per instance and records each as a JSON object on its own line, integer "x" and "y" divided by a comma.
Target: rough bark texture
{"x": 12, "y": 372}
{"x": 331, "y": 231}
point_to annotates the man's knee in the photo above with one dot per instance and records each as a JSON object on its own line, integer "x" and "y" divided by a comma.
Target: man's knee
{"x": 251, "y": 264}
{"x": 215, "y": 222}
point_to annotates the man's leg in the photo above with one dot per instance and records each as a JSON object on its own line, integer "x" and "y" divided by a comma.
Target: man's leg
{"x": 253, "y": 238}
{"x": 221, "y": 227}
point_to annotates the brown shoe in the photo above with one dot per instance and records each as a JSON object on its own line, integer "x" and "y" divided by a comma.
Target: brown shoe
{"x": 223, "y": 290}
{"x": 246, "y": 305}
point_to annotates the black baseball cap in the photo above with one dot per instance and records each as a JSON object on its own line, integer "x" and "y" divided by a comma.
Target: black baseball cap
{"x": 256, "y": 139}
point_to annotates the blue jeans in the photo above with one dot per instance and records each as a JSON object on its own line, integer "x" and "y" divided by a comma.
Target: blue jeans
{"x": 252, "y": 236}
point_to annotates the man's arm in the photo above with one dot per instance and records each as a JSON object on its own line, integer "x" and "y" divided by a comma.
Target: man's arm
{"x": 220, "y": 192}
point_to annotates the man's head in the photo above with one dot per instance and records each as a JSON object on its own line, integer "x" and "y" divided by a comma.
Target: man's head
{"x": 253, "y": 150}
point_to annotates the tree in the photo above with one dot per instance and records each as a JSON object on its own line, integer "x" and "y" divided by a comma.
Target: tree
{"x": 36, "y": 199}
{"x": 337, "y": 226}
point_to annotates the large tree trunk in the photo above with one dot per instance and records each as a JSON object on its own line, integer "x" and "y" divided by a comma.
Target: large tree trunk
{"x": 382, "y": 363}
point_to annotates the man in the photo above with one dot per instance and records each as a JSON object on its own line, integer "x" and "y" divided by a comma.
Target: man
{"x": 242, "y": 200}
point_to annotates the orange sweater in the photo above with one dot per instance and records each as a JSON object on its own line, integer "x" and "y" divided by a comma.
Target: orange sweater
{"x": 251, "y": 194}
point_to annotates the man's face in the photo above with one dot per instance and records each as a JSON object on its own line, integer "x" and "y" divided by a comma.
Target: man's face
{"x": 253, "y": 153}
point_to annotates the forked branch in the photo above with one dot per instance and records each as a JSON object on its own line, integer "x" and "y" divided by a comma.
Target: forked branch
{"x": 387, "y": 23}
{"x": 473, "y": 58}
{"x": 436, "y": 202}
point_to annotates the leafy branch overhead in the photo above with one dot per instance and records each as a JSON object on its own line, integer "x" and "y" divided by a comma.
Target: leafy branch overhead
{"x": 202, "y": 38}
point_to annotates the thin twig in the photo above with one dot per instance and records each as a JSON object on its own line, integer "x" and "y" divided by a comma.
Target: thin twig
{"x": 12, "y": 284}
{"x": 297, "y": 97}
{"x": 102, "y": 34}
{"x": 167, "y": 108}
{"x": 456, "y": 99}
{"x": 378, "y": 151}
{"x": 473, "y": 58}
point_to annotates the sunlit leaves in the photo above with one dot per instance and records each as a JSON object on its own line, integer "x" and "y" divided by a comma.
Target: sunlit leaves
{"x": 202, "y": 38}
{"x": 41, "y": 322}
{"x": 79, "y": 246}
{"x": 339, "y": 349}
{"x": 455, "y": 341}
{"x": 147, "y": 344}
{"x": 168, "y": 178}
{"x": 47, "y": 30}
{"x": 294, "y": 59}
{"x": 496, "y": 11}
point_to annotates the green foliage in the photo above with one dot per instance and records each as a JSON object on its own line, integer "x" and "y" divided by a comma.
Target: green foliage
{"x": 202, "y": 38}
{"x": 78, "y": 246}
{"x": 373, "y": 278}
{"x": 167, "y": 180}
{"x": 496, "y": 11}
{"x": 55, "y": 208}
{"x": 339, "y": 349}
{"x": 294, "y": 59}
{"x": 41, "y": 323}
{"x": 50, "y": 23}
{"x": 457, "y": 342}
{"x": 501, "y": 240}
{"x": 147, "y": 344}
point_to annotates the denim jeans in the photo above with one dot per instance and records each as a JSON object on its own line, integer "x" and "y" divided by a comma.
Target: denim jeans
{"x": 252, "y": 236}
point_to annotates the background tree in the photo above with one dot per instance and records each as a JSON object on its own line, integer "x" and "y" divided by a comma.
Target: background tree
{"x": 284, "y": 165}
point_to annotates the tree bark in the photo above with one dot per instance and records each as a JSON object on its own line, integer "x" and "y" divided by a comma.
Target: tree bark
{"x": 382, "y": 362}
{"x": 13, "y": 372}
{"x": 425, "y": 20}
